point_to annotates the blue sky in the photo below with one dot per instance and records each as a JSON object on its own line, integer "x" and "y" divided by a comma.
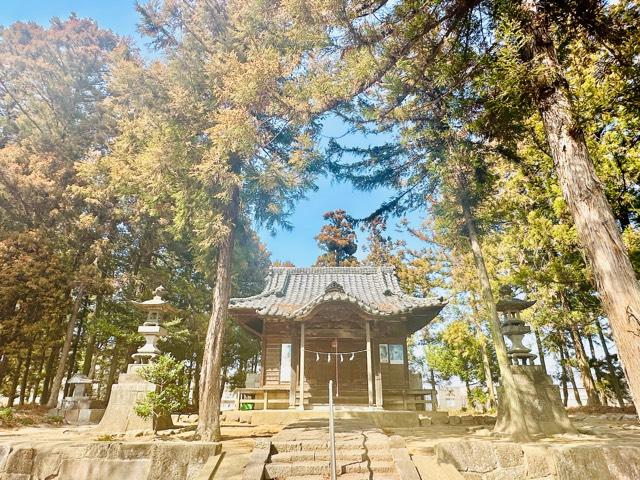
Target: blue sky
{"x": 298, "y": 245}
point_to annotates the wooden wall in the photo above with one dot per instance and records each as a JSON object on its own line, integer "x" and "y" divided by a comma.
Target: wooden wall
{"x": 350, "y": 335}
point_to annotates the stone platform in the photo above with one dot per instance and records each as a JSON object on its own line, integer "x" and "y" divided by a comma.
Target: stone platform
{"x": 69, "y": 460}
{"x": 378, "y": 418}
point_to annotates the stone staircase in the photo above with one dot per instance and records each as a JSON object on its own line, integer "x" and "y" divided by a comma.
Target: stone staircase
{"x": 363, "y": 452}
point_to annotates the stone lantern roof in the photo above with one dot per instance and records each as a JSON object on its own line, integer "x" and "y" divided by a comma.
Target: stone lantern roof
{"x": 157, "y": 303}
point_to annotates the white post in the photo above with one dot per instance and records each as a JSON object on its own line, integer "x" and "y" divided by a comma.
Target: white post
{"x": 367, "y": 329}
{"x": 332, "y": 434}
{"x": 301, "y": 405}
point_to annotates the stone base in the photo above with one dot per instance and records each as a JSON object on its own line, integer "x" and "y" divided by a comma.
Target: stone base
{"x": 74, "y": 460}
{"x": 540, "y": 398}
{"x": 485, "y": 460}
{"x": 83, "y": 416}
{"x": 120, "y": 416}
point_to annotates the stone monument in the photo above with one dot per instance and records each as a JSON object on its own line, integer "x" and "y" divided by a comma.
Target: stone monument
{"x": 79, "y": 408}
{"x": 544, "y": 412}
{"x": 119, "y": 415}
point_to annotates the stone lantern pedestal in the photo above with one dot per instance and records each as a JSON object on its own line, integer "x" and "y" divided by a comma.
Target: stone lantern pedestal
{"x": 539, "y": 398}
{"x": 131, "y": 387}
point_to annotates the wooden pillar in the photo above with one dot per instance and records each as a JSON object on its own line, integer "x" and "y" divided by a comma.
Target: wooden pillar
{"x": 263, "y": 359}
{"x": 367, "y": 328}
{"x": 294, "y": 368}
{"x": 301, "y": 405}
{"x": 378, "y": 378}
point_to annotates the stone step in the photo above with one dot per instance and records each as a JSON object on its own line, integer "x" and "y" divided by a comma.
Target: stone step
{"x": 349, "y": 476}
{"x": 365, "y": 466}
{"x": 323, "y": 455}
{"x": 321, "y": 444}
{"x": 279, "y": 470}
{"x": 286, "y": 470}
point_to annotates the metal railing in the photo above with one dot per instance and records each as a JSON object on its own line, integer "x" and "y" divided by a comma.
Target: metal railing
{"x": 332, "y": 434}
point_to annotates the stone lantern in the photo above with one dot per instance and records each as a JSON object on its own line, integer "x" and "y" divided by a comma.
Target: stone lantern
{"x": 157, "y": 311}
{"x": 79, "y": 408}
{"x": 539, "y": 398}
{"x": 514, "y": 328}
{"x": 131, "y": 387}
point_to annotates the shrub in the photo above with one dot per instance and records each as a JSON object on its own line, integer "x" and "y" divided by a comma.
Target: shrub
{"x": 170, "y": 396}
{"x": 6, "y": 417}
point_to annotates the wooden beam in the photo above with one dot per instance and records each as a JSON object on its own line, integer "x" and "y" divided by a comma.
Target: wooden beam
{"x": 301, "y": 406}
{"x": 367, "y": 329}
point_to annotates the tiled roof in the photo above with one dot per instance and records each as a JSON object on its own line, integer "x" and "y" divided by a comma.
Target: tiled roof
{"x": 295, "y": 292}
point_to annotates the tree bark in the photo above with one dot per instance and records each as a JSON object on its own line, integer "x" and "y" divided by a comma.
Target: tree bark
{"x": 25, "y": 375}
{"x": 513, "y": 424}
{"x": 615, "y": 382}
{"x": 593, "y": 361}
{"x": 74, "y": 351}
{"x": 111, "y": 377}
{"x": 62, "y": 363}
{"x": 585, "y": 370}
{"x": 570, "y": 374}
{"x": 48, "y": 374}
{"x": 210, "y": 374}
{"x": 563, "y": 378}
{"x": 4, "y": 362}
{"x": 486, "y": 364}
{"x": 11, "y": 396}
{"x": 597, "y": 230}
{"x": 543, "y": 362}
{"x": 36, "y": 381}
{"x": 91, "y": 339}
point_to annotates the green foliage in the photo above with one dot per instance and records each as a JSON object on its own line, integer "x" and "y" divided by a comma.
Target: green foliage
{"x": 338, "y": 240}
{"x": 170, "y": 396}
{"x": 456, "y": 352}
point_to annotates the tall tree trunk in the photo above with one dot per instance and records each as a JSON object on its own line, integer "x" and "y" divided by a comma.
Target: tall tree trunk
{"x": 597, "y": 230}
{"x": 91, "y": 339}
{"x": 111, "y": 377}
{"x": 570, "y": 374}
{"x": 62, "y": 363}
{"x": 615, "y": 382}
{"x": 585, "y": 370}
{"x": 593, "y": 361}
{"x": 25, "y": 375}
{"x": 486, "y": 365}
{"x": 48, "y": 374}
{"x": 515, "y": 423}
{"x": 196, "y": 386}
{"x": 15, "y": 379}
{"x": 543, "y": 362}
{"x": 38, "y": 378}
{"x": 4, "y": 363}
{"x": 210, "y": 375}
{"x": 563, "y": 377}
{"x": 74, "y": 352}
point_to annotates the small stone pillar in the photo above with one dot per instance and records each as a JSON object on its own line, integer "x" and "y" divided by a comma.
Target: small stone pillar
{"x": 131, "y": 387}
{"x": 540, "y": 398}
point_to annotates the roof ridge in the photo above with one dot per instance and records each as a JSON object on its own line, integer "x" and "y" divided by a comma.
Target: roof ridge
{"x": 351, "y": 269}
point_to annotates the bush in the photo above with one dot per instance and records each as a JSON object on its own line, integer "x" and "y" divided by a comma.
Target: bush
{"x": 6, "y": 417}
{"x": 166, "y": 373}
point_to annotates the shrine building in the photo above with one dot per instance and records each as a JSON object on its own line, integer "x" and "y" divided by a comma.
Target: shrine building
{"x": 346, "y": 324}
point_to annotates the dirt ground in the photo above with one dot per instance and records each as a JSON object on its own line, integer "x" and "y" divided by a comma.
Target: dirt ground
{"x": 238, "y": 438}
{"x": 592, "y": 430}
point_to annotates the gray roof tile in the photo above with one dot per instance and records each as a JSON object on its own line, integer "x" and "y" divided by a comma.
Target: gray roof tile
{"x": 295, "y": 292}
